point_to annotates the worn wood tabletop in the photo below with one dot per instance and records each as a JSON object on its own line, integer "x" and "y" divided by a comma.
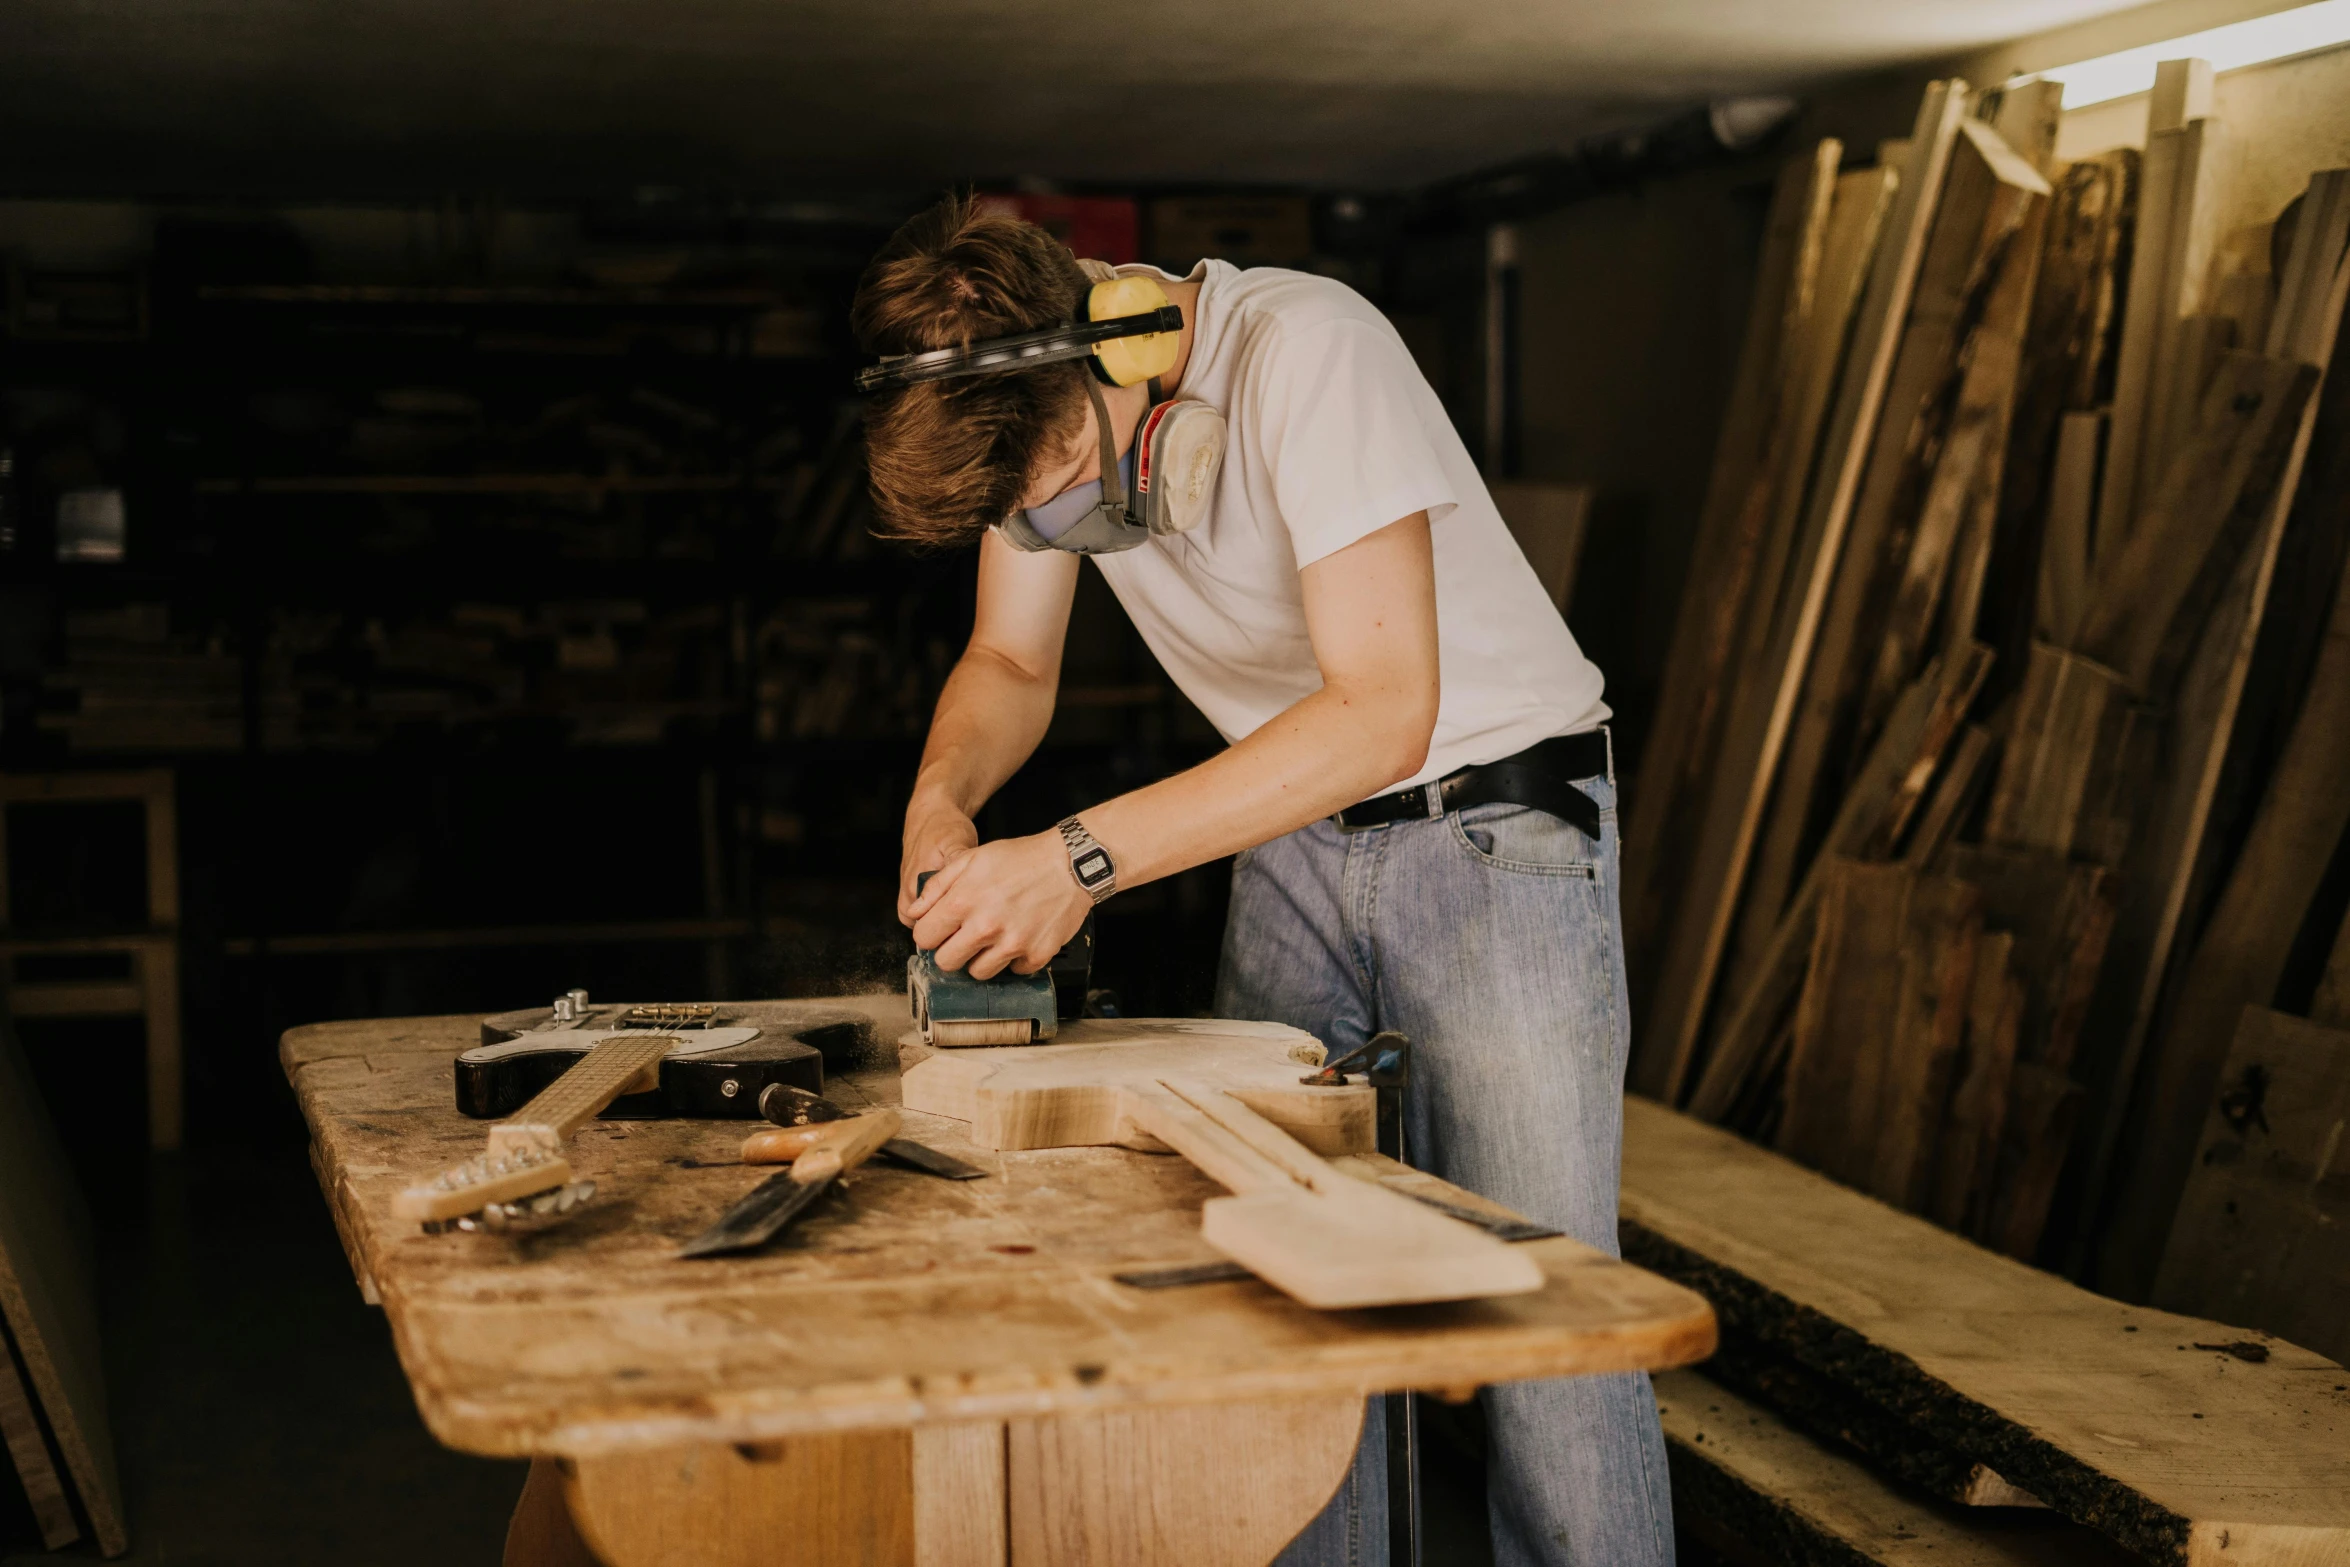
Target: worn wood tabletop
{"x": 908, "y": 1300}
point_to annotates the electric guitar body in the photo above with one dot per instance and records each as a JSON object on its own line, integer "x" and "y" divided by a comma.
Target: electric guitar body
{"x": 723, "y": 1055}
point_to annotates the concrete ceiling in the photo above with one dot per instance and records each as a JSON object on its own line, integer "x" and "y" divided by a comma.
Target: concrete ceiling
{"x": 352, "y": 97}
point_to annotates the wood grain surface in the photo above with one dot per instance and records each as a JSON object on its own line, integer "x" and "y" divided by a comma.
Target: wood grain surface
{"x": 907, "y": 1301}
{"x": 2105, "y": 1411}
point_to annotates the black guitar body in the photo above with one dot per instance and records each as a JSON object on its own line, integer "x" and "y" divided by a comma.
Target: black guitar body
{"x": 721, "y": 1063}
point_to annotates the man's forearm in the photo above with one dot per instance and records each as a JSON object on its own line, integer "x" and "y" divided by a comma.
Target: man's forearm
{"x": 990, "y": 719}
{"x": 1330, "y": 750}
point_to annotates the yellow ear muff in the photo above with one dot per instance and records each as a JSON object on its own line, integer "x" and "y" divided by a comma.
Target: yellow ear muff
{"x": 1130, "y": 361}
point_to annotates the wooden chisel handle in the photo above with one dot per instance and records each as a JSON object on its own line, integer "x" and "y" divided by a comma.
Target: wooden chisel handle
{"x": 843, "y": 1145}
{"x": 782, "y": 1144}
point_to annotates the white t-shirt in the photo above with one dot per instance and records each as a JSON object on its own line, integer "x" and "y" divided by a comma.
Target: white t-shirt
{"x": 1334, "y": 434}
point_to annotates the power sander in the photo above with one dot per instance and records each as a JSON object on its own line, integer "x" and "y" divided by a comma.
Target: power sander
{"x": 951, "y": 1009}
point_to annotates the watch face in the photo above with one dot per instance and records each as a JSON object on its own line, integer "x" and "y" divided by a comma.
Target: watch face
{"x": 1092, "y": 867}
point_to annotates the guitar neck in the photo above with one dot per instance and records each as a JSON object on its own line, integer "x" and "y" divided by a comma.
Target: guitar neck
{"x": 625, "y": 1064}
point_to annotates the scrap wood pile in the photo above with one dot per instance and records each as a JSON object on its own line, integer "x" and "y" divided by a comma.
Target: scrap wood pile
{"x": 2004, "y": 742}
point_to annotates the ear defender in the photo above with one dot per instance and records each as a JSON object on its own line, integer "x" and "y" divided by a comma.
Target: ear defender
{"x": 1130, "y": 361}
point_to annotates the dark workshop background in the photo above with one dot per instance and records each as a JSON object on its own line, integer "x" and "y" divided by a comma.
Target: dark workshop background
{"x": 427, "y": 439}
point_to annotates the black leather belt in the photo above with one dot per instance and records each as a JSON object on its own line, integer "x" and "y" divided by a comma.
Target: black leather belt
{"x": 1539, "y": 776}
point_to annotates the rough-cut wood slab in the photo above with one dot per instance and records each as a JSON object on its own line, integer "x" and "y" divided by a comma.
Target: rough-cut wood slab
{"x": 1750, "y": 1486}
{"x": 28, "y": 1451}
{"x": 2263, "y": 1233}
{"x": 2061, "y": 913}
{"x": 2087, "y": 1403}
{"x": 1880, "y": 1026}
{"x": 1772, "y": 680}
{"x": 1969, "y": 1145}
{"x": 913, "y": 1301}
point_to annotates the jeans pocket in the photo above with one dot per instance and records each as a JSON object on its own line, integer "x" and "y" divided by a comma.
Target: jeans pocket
{"x": 1523, "y": 840}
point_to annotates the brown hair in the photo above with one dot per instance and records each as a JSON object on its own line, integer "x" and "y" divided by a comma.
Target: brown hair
{"x": 948, "y": 459}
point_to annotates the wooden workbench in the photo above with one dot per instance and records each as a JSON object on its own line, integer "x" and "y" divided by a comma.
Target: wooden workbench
{"x": 923, "y": 1371}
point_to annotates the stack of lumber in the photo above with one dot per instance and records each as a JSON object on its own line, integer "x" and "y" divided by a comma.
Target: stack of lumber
{"x": 1889, "y": 1392}
{"x": 1934, "y": 836}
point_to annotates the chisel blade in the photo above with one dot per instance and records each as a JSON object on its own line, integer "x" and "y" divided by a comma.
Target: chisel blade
{"x": 754, "y": 1221}
{"x": 923, "y": 1157}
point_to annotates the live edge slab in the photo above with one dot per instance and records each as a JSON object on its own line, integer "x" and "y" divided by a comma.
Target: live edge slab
{"x": 980, "y": 1316}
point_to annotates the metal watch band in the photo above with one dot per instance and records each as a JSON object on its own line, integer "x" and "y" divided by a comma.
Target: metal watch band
{"x": 1089, "y": 862}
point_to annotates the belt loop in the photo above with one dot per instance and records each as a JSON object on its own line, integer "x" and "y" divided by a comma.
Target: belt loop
{"x": 1435, "y": 791}
{"x": 1608, "y": 732}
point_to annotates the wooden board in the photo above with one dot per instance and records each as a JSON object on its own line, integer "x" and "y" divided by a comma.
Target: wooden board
{"x": 1817, "y": 240}
{"x": 1985, "y": 200}
{"x": 1880, "y": 1027}
{"x": 1754, "y": 1488}
{"x": 1968, "y": 1149}
{"x": 2086, "y": 1402}
{"x": 2259, "y": 1235}
{"x": 1772, "y": 675}
{"x": 593, "y": 1338}
{"x": 48, "y": 1298}
{"x": 2061, "y": 914}
{"x": 2067, "y": 564}
{"x": 1548, "y": 521}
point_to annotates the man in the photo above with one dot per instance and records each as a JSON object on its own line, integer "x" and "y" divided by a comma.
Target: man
{"x": 1348, "y": 609}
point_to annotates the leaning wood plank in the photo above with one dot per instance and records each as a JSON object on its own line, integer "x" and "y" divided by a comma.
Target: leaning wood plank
{"x": 2202, "y": 732}
{"x": 2259, "y": 1234}
{"x": 28, "y": 1450}
{"x": 2065, "y": 560}
{"x": 1885, "y": 795}
{"x": 2083, "y": 1401}
{"x": 2152, "y": 596}
{"x": 2244, "y": 947}
{"x": 1758, "y": 727}
{"x": 2044, "y": 504}
{"x": 2193, "y": 231}
{"x": 1987, "y": 197}
{"x": 1798, "y": 283}
{"x": 1880, "y": 1027}
{"x": 2152, "y": 296}
{"x": 2036, "y": 1137}
{"x": 1954, "y": 798}
{"x": 47, "y": 1297}
{"x": 1954, "y": 528}
{"x": 1757, "y": 1490}
{"x": 2331, "y": 1005}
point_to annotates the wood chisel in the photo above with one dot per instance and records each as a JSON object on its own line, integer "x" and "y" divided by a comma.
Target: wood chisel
{"x": 839, "y": 1146}
{"x": 797, "y": 1113}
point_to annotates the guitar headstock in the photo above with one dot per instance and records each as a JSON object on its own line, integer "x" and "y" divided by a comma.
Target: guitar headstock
{"x": 519, "y": 1178}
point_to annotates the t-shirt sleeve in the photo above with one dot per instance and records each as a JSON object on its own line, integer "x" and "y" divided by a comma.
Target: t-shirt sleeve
{"x": 1344, "y": 414}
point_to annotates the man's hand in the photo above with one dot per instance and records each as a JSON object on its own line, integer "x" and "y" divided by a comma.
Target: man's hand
{"x": 1008, "y": 904}
{"x": 935, "y": 834}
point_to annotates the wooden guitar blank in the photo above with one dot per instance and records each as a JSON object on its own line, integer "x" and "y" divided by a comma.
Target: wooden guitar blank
{"x": 1227, "y": 1097}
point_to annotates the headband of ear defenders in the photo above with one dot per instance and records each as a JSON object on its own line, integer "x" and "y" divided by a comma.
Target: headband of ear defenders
{"x": 1130, "y": 334}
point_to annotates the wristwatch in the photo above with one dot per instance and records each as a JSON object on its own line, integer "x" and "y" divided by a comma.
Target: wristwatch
{"x": 1089, "y": 862}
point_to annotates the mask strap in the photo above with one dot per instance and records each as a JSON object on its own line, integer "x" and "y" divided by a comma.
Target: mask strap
{"x": 1113, "y": 483}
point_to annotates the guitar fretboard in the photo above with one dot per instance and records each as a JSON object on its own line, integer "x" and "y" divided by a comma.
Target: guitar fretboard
{"x": 582, "y": 1093}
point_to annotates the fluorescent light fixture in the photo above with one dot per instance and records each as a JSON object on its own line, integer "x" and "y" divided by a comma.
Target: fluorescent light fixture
{"x": 2263, "y": 38}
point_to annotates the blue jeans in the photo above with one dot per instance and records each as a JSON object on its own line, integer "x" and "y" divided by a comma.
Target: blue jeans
{"x": 1493, "y": 937}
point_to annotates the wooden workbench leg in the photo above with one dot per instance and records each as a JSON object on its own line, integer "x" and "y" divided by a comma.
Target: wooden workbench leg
{"x": 540, "y": 1534}
{"x": 816, "y": 1501}
{"x": 159, "y": 990}
{"x": 1208, "y": 1485}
